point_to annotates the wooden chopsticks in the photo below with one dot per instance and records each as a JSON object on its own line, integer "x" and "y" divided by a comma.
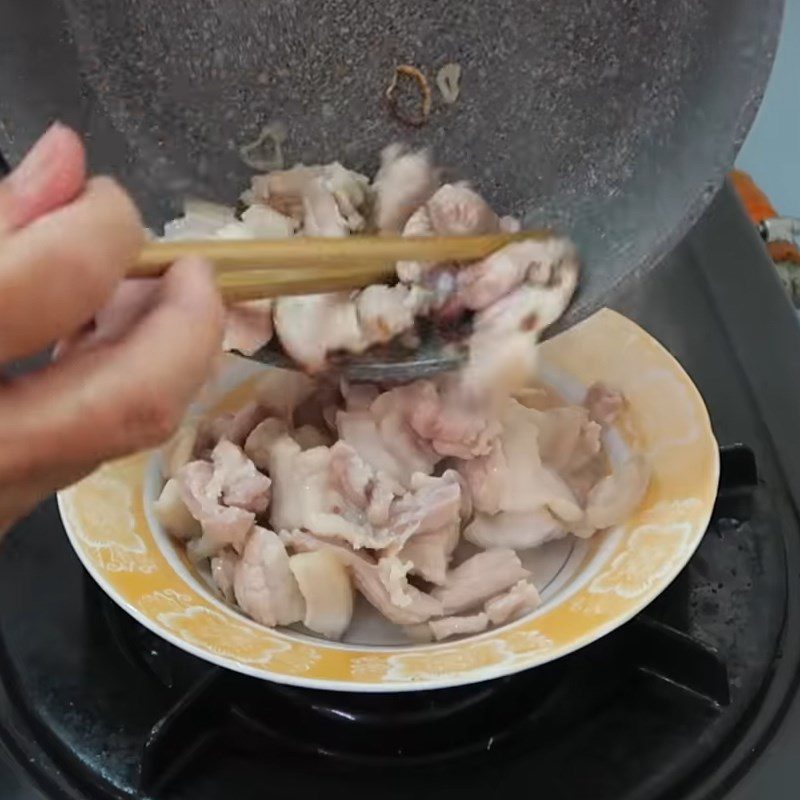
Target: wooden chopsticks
{"x": 250, "y": 269}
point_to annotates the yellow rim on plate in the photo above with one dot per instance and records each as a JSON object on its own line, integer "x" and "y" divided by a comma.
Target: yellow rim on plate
{"x": 621, "y": 571}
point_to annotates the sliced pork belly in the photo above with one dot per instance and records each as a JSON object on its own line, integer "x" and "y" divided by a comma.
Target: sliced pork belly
{"x": 518, "y": 530}
{"x": 446, "y": 419}
{"x": 377, "y": 585}
{"x": 260, "y": 441}
{"x": 403, "y": 183}
{"x": 513, "y": 478}
{"x": 302, "y": 494}
{"x": 308, "y": 494}
{"x": 386, "y": 442}
{"x": 616, "y": 496}
{"x": 384, "y": 312}
{"x": 327, "y": 591}
{"x": 382, "y": 586}
{"x": 263, "y": 583}
{"x": 457, "y": 210}
{"x": 369, "y": 492}
{"x": 432, "y": 504}
{"x": 321, "y": 212}
{"x": 201, "y": 491}
{"x": 604, "y": 404}
{"x": 454, "y": 210}
{"x": 287, "y": 191}
{"x": 172, "y": 513}
{"x": 479, "y": 578}
{"x": 504, "y": 335}
{"x": 520, "y": 599}
{"x": 418, "y": 224}
{"x": 430, "y": 553}
{"x": 223, "y": 571}
{"x": 242, "y": 485}
{"x": 481, "y": 284}
{"x": 312, "y": 326}
{"x": 446, "y": 627}
{"x": 568, "y": 438}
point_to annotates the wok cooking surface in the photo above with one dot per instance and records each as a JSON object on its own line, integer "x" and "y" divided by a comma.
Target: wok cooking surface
{"x": 614, "y": 120}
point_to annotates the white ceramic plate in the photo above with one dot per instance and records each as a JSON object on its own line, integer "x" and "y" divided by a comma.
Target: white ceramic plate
{"x": 589, "y": 587}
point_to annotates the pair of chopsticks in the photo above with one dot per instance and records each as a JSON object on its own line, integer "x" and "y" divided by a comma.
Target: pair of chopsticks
{"x": 253, "y": 269}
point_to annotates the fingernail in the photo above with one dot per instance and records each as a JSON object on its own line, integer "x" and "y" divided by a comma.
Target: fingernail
{"x": 51, "y": 175}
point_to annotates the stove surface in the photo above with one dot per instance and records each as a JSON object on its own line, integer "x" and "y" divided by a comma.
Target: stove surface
{"x": 691, "y": 700}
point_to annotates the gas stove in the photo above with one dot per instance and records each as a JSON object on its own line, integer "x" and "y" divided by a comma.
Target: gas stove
{"x": 692, "y": 700}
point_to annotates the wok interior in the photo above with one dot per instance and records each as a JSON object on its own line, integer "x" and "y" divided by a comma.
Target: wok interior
{"x": 608, "y": 118}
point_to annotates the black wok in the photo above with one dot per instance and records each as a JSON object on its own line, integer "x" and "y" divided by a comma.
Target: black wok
{"x": 613, "y": 119}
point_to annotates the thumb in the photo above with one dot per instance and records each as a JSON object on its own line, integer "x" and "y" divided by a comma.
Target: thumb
{"x": 51, "y": 175}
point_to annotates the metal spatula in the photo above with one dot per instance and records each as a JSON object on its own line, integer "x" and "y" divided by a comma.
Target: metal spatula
{"x": 251, "y": 269}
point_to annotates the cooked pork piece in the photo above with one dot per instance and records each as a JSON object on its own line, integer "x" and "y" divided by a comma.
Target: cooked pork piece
{"x": 201, "y": 491}
{"x": 504, "y": 334}
{"x": 419, "y": 224}
{"x": 456, "y": 210}
{"x": 223, "y": 572}
{"x": 312, "y": 326}
{"x": 260, "y": 441}
{"x": 321, "y": 212}
{"x": 404, "y": 182}
{"x": 446, "y": 627}
{"x": 263, "y": 582}
{"x": 518, "y": 530}
{"x": 384, "y": 312}
{"x": 325, "y": 585}
{"x": 430, "y": 553}
{"x": 568, "y": 438}
{"x": 242, "y": 485}
{"x": 479, "y": 578}
{"x": 444, "y": 418}
{"x": 513, "y": 478}
{"x": 377, "y": 585}
{"x": 384, "y": 438}
{"x": 286, "y": 191}
{"x": 380, "y": 586}
{"x": 519, "y": 600}
{"x": 616, "y": 496}
{"x": 481, "y": 284}
{"x": 604, "y": 404}
{"x": 172, "y": 513}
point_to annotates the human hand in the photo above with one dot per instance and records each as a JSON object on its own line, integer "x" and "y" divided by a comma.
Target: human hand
{"x": 65, "y": 244}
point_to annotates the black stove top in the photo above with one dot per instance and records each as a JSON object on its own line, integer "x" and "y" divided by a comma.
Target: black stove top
{"x": 690, "y": 700}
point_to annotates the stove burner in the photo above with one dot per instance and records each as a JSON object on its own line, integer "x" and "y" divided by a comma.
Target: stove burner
{"x": 640, "y": 708}
{"x": 431, "y": 727}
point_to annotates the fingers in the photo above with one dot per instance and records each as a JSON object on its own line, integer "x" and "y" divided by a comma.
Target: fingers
{"x": 121, "y": 396}
{"x": 131, "y": 300}
{"x": 50, "y": 176}
{"x": 62, "y": 267}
